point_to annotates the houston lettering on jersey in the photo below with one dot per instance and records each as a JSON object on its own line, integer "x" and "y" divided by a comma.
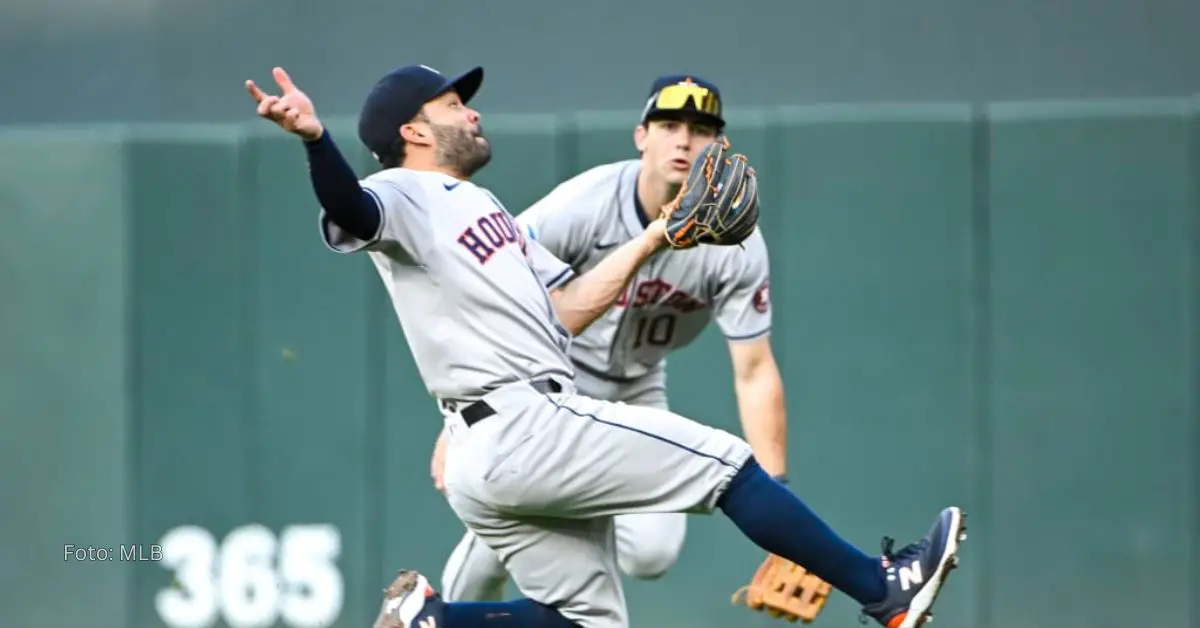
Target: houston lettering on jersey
{"x": 489, "y": 234}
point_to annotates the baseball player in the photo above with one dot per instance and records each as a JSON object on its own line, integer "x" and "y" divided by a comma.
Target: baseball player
{"x": 622, "y": 356}
{"x": 534, "y": 468}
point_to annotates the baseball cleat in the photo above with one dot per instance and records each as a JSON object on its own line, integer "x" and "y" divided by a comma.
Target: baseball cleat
{"x": 916, "y": 574}
{"x": 410, "y": 602}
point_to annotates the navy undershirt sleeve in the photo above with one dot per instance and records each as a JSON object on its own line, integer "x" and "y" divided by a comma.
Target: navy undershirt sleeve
{"x": 346, "y": 203}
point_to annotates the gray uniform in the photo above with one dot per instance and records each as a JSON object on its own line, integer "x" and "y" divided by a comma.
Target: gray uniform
{"x": 670, "y": 300}
{"x": 541, "y": 479}
{"x": 621, "y": 357}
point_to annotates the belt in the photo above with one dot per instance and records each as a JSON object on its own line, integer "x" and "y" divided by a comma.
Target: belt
{"x": 480, "y": 410}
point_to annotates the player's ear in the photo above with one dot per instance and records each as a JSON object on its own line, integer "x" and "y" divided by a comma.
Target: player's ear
{"x": 639, "y": 137}
{"x": 415, "y": 133}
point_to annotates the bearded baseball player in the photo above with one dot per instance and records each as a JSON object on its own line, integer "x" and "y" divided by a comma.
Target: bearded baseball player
{"x": 534, "y": 468}
{"x": 622, "y": 356}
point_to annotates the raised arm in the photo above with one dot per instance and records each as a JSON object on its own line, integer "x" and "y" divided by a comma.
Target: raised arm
{"x": 345, "y": 202}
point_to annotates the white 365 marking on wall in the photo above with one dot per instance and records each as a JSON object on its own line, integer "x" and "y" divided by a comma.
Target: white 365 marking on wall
{"x": 252, "y": 578}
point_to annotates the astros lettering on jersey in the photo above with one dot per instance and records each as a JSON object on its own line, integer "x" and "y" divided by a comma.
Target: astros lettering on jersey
{"x": 671, "y": 298}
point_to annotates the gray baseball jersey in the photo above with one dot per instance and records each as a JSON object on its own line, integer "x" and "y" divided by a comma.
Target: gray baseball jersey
{"x": 540, "y": 479}
{"x": 671, "y": 298}
{"x": 469, "y": 288}
{"x": 621, "y": 357}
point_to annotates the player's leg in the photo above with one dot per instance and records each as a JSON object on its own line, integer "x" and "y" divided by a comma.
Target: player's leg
{"x": 648, "y": 544}
{"x": 473, "y": 573}
{"x": 588, "y": 458}
{"x": 566, "y": 568}
{"x": 410, "y": 602}
{"x": 897, "y": 589}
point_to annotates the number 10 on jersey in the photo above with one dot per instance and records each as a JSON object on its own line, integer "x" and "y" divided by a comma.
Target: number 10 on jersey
{"x": 655, "y": 331}
{"x": 252, "y": 579}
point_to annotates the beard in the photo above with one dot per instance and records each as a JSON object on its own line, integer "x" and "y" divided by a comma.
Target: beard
{"x": 462, "y": 150}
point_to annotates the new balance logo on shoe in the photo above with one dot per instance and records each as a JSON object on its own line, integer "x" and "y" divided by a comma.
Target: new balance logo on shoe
{"x": 910, "y": 575}
{"x": 428, "y": 622}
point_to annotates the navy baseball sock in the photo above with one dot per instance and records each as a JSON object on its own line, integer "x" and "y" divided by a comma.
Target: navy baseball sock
{"x": 523, "y": 613}
{"x": 772, "y": 516}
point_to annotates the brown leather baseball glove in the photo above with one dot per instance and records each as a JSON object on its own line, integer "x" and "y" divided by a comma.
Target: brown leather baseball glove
{"x": 717, "y": 204}
{"x": 784, "y": 590}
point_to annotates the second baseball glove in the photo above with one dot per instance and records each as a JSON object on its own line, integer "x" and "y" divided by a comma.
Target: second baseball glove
{"x": 717, "y": 204}
{"x": 784, "y": 590}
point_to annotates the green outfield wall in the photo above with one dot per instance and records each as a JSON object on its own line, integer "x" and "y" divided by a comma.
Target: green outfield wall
{"x": 995, "y": 307}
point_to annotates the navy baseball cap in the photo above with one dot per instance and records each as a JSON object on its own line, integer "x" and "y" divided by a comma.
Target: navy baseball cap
{"x": 681, "y": 95}
{"x": 397, "y": 98}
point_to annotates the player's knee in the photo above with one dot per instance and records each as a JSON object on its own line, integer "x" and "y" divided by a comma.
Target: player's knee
{"x": 650, "y": 562}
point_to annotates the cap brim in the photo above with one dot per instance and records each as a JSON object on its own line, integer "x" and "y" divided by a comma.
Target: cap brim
{"x": 466, "y": 85}
{"x": 689, "y": 115}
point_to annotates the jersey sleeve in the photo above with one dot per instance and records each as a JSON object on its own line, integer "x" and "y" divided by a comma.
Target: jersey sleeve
{"x": 743, "y": 301}
{"x": 551, "y": 271}
{"x": 402, "y": 221}
{"x": 562, "y": 221}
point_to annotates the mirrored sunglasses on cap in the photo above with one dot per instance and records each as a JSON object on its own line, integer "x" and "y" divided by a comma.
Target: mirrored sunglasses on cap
{"x": 676, "y": 96}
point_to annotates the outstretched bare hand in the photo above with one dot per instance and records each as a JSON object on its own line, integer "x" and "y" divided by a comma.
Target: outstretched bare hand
{"x": 292, "y": 110}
